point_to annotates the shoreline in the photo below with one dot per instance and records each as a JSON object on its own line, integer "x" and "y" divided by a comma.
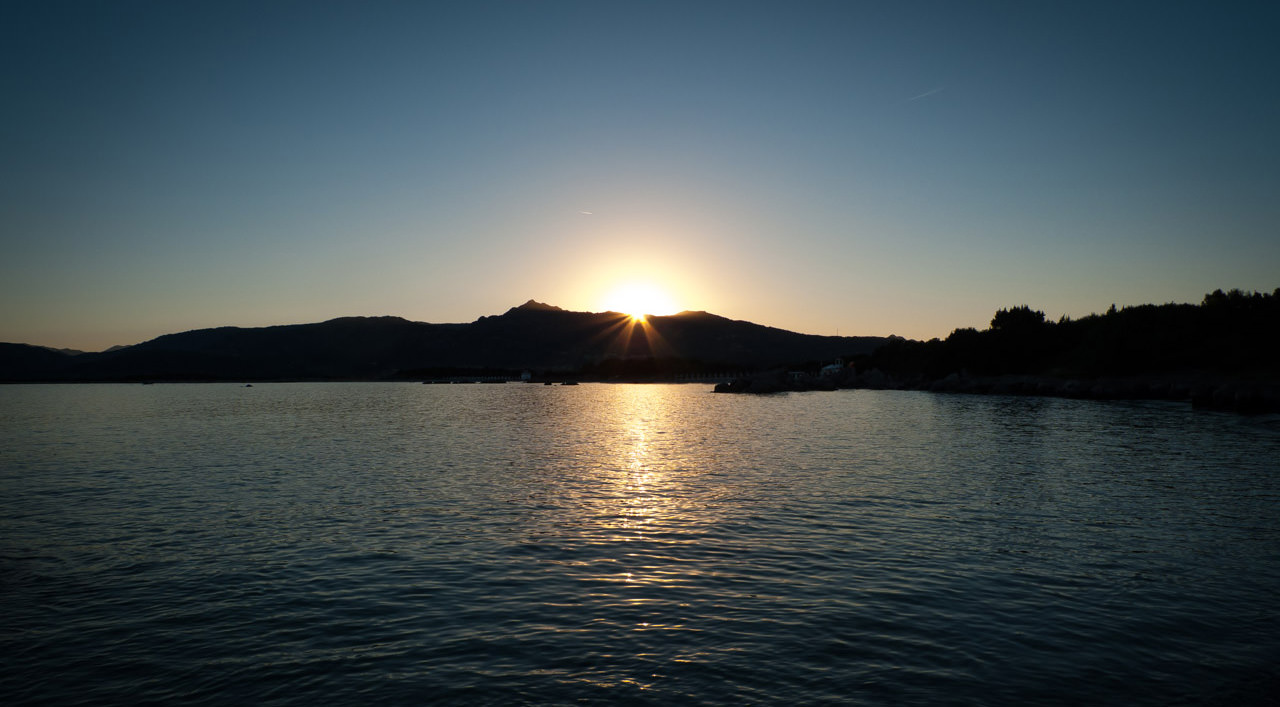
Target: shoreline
{"x": 1203, "y": 391}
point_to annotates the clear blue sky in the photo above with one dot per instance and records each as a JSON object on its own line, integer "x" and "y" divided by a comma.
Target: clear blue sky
{"x": 871, "y": 168}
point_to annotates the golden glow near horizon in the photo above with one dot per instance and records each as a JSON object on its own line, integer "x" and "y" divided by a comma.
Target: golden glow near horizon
{"x": 638, "y": 299}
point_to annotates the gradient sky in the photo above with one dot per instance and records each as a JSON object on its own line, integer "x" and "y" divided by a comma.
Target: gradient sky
{"x": 867, "y": 168}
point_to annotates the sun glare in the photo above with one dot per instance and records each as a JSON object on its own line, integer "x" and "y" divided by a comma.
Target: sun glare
{"x": 639, "y": 299}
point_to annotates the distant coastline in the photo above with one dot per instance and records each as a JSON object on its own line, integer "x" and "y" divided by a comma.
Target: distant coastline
{"x": 1201, "y": 391}
{"x": 1222, "y": 354}
{"x": 534, "y": 339}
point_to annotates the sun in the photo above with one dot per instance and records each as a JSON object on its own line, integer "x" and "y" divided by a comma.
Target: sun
{"x": 637, "y": 299}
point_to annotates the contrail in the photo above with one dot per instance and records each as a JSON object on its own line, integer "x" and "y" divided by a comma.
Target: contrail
{"x": 926, "y": 94}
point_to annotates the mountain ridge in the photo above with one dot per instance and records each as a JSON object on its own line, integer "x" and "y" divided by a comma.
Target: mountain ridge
{"x": 532, "y": 336}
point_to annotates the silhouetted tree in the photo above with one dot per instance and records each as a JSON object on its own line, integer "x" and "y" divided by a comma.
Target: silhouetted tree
{"x": 1235, "y": 333}
{"x": 1018, "y": 320}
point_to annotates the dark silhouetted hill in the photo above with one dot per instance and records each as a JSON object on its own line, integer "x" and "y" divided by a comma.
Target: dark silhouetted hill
{"x": 1223, "y": 353}
{"x": 23, "y": 361}
{"x": 533, "y": 336}
{"x": 1233, "y": 333}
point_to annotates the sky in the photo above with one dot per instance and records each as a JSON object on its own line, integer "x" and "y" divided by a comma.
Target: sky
{"x": 861, "y": 168}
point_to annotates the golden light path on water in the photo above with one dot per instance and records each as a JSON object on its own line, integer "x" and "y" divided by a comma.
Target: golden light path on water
{"x": 647, "y": 499}
{"x": 652, "y": 510}
{"x": 633, "y": 500}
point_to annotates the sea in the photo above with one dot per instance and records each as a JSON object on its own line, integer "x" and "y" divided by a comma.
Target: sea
{"x": 623, "y": 544}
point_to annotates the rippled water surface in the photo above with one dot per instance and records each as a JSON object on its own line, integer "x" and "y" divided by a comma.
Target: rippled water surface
{"x": 629, "y": 544}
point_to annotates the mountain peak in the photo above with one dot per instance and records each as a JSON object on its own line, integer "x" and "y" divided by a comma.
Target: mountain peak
{"x": 536, "y": 306}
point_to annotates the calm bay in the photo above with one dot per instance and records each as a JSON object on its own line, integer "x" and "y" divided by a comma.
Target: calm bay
{"x": 349, "y": 543}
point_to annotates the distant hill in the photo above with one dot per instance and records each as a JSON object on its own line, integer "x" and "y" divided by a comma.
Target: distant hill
{"x": 1232, "y": 333}
{"x": 533, "y": 336}
{"x": 1222, "y": 354}
{"x": 22, "y": 361}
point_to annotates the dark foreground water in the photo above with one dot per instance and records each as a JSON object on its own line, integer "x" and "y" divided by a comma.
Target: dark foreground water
{"x": 616, "y": 544}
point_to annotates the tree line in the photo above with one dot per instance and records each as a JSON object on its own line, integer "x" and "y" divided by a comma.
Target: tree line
{"x": 1234, "y": 333}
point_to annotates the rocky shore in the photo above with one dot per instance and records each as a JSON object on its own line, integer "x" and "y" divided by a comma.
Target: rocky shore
{"x": 1202, "y": 391}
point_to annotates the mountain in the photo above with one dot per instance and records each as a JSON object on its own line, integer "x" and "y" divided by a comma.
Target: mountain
{"x": 533, "y": 336}
{"x": 23, "y": 361}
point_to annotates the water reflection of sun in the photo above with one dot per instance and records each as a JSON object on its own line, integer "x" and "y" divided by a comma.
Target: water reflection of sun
{"x": 637, "y": 486}
{"x": 625, "y": 508}
{"x": 622, "y": 487}
{"x": 647, "y": 493}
